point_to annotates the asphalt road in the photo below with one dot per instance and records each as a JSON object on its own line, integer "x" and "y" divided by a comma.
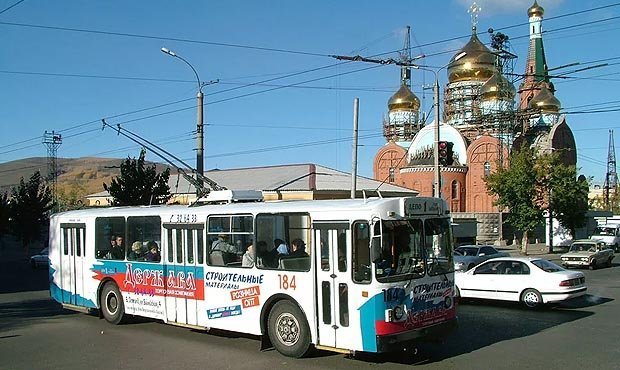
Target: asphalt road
{"x": 36, "y": 333}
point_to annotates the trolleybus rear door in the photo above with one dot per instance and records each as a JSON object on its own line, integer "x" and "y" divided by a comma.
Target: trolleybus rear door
{"x": 333, "y": 281}
{"x": 72, "y": 253}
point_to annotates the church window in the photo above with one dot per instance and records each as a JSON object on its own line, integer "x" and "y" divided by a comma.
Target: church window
{"x": 455, "y": 189}
{"x": 391, "y": 176}
{"x": 487, "y": 169}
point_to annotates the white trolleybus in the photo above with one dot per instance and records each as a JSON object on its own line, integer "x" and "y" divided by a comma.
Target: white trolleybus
{"x": 371, "y": 275}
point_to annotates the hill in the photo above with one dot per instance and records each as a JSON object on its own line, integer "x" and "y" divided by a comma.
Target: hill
{"x": 81, "y": 175}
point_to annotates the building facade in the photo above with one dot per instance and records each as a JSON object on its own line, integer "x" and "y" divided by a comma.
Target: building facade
{"x": 480, "y": 126}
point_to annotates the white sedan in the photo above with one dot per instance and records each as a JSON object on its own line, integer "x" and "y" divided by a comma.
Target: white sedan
{"x": 533, "y": 281}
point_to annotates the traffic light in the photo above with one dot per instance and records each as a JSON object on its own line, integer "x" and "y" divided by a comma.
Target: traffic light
{"x": 446, "y": 154}
{"x": 450, "y": 154}
{"x": 443, "y": 153}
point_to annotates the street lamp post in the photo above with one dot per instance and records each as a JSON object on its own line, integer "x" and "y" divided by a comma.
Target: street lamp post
{"x": 199, "y": 120}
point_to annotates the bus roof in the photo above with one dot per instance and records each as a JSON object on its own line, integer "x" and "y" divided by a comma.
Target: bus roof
{"x": 249, "y": 207}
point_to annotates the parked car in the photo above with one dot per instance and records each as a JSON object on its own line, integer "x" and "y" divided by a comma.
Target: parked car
{"x": 588, "y": 253}
{"x": 41, "y": 259}
{"x": 532, "y": 281}
{"x": 468, "y": 256}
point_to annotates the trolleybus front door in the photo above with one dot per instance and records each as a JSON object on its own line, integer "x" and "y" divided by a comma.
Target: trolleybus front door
{"x": 71, "y": 263}
{"x": 333, "y": 282}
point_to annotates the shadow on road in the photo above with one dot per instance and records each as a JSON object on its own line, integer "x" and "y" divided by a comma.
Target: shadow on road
{"x": 484, "y": 323}
{"x": 14, "y": 315}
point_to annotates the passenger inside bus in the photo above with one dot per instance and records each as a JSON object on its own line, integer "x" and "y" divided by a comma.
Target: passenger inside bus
{"x": 117, "y": 250}
{"x": 281, "y": 247}
{"x": 136, "y": 253}
{"x": 221, "y": 244}
{"x": 298, "y": 259}
{"x": 248, "y": 258}
{"x": 153, "y": 252}
{"x": 298, "y": 249}
{"x": 264, "y": 257}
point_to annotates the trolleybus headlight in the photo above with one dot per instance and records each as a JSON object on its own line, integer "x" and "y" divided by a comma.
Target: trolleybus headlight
{"x": 398, "y": 313}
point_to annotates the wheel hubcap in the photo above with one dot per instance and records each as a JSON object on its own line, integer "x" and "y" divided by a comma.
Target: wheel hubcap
{"x": 531, "y": 299}
{"x": 112, "y": 303}
{"x": 287, "y": 329}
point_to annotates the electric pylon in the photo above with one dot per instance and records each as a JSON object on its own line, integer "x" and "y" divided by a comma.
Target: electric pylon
{"x": 611, "y": 177}
{"x": 52, "y": 141}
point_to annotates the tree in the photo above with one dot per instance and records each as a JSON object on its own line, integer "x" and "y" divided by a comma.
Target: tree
{"x": 535, "y": 183}
{"x": 5, "y": 212}
{"x": 31, "y": 204}
{"x": 139, "y": 184}
{"x": 70, "y": 198}
{"x": 569, "y": 197}
{"x": 515, "y": 188}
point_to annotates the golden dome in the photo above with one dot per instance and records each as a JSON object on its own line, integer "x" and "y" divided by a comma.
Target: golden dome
{"x": 535, "y": 10}
{"x": 404, "y": 99}
{"x": 473, "y": 62}
{"x": 497, "y": 88}
{"x": 545, "y": 101}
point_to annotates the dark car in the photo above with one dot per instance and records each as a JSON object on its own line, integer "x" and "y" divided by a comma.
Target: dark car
{"x": 41, "y": 259}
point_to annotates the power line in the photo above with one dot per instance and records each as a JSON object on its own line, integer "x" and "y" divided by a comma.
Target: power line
{"x": 11, "y": 6}
{"x": 243, "y": 86}
{"x": 221, "y": 82}
{"x": 162, "y": 38}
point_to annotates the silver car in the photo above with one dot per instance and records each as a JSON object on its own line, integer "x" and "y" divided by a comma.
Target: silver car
{"x": 468, "y": 256}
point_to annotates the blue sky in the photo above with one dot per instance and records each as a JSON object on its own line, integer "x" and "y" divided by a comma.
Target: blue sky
{"x": 64, "y": 65}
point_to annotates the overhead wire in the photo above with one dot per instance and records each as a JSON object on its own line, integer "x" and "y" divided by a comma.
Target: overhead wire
{"x": 248, "y": 47}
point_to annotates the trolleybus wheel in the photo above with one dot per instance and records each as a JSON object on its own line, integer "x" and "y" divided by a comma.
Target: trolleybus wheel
{"x": 111, "y": 303}
{"x": 288, "y": 329}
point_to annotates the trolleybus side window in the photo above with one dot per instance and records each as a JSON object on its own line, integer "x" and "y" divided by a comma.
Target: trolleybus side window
{"x": 361, "y": 252}
{"x": 110, "y": 238}
{"x": 65, "y": 241}
{"x": 228, "y": 238}
{"x": 188, "y": 239}
{"x": 142, "y": 232}
{"x": 291, "y": 231}
{"x": 438, "y": 235}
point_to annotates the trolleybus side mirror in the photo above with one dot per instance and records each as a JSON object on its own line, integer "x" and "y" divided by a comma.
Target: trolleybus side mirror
{"x": 375, "y": 248}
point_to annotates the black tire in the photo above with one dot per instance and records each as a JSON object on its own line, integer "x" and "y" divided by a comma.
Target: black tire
{"x": 111, "y": 303}
{"x": 33, "y": 264}
{"x": 288, "y": 329}
{"x": 531, "y": 298}
{"x": 593, "y": 265}
{"x": 609, "y": 261}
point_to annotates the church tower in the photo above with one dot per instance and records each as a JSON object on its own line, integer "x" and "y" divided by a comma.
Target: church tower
{"x": 536, "y": 75}
{"x": 544, "y": 127}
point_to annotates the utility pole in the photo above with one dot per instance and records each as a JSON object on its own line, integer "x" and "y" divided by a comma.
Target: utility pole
{"x": 437, "y": 189}
{"x": 52, "y": 141}
{"x": 356, "y": 110}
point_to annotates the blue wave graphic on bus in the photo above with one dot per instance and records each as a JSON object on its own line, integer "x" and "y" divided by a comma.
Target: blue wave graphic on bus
{"x": 64, "y": 296}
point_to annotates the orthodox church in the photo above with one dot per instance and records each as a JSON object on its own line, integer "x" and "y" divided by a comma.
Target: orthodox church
{"x": 479, "y": 128}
